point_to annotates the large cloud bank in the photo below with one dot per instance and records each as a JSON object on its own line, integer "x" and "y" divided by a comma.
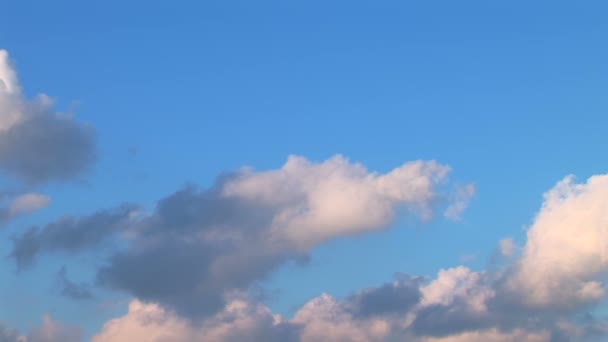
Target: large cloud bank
{"x": 545, "y": 292}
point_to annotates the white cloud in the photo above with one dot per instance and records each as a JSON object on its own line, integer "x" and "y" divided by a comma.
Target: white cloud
{"x": 321, "y": 320}
{"x": 458, "y": 283}
{"x": 250, "y": 223}
{"x": 318, "y": 202}
{"x": 324, "y": 319}
{"x": 11, "y": 102}
{"x": 567, "y": 246}
{"x": 145, "y": 322}
{"x": 239, "y": 321}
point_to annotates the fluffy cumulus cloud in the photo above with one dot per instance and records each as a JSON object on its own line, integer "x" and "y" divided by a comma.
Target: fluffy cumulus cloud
{"x": 390, "y": 312}
{"x": 316, "y": 202}
{"x": 450, "y": 308}
{"x": 566, "y": 252}
{"x": 240, "y": 321}
{"x": 38, "y": 144}
{"x": 197, "y": 245}
{"x": 545, "y": 292}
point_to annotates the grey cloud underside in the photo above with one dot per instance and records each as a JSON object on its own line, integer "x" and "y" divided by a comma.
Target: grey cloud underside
{"x": 505, "y": 311}
{"x": 392, "y": 298}
{"x": 393, "y": 302}
{"x": 505, "y": 317}
{"x": 173, "y": 263}
{"x": 396, "y": 300}
{"x": 38, "y": 144}
{"x": 70, "y": 234}
{"x": 264, "y": 329}
{"x": 167, "y": 260}
{"x": 200, "y": 244}
{"x": 356, "y": 318}
{"x": 47, "y": 147}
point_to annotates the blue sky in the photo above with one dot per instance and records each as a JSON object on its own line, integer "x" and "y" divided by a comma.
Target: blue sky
{"x": 510, "y": 95}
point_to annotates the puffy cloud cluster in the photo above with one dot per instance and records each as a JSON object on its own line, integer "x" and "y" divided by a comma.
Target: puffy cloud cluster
{"x": 543, "y": 294}
{"x": 566, "y": 252}
{"x": 38, "y": 144}
{"x": 368, "y": 316}
{"x": 322, "y": 319}
{"x": 317, "y": 202}
{"x": 397, "y": 311}
{"x": 240, "y": 320}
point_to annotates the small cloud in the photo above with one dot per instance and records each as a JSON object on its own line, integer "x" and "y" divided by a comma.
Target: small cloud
{"x": 461, "y": 202}
{"x": 23, "y": 204}
{"x": 28, "y": 203}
